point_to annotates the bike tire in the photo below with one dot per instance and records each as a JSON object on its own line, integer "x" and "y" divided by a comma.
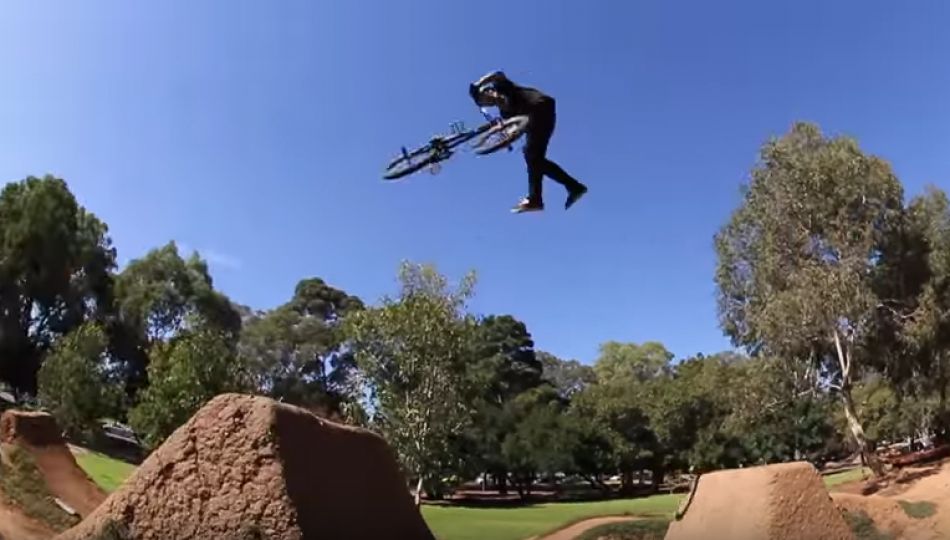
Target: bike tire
{"x": 393, "y": 173}
{"x": 520, "y": 125}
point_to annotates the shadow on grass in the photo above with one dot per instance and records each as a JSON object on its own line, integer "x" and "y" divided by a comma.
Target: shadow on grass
{"x": 494, "y": 500}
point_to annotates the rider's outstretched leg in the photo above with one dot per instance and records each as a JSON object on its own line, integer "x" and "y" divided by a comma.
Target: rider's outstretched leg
{"x": 534, "y": 149}
{"x": 575, "y": 189}
{"x": 540, "y": 129}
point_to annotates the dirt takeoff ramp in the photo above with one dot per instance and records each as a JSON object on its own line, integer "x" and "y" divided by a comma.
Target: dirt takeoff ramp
{"x": 38, "y": 434}
{"x": 251, "y": 468}
{"x": 772, "y": 502}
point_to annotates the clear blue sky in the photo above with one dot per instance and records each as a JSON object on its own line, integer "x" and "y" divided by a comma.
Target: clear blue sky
{"x": 256, "y": 133}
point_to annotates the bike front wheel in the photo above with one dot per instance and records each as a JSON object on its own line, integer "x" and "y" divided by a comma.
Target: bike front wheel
{"x": 501, "y": 135}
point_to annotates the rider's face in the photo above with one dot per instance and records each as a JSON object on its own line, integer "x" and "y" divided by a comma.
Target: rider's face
{"x": 493, "y": 98}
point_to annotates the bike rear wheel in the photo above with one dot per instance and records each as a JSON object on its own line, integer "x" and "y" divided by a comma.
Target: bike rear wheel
{"x": 505, "y": 134}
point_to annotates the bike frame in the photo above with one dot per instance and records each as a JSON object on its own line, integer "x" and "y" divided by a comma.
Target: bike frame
{"x": 441, "y": 147}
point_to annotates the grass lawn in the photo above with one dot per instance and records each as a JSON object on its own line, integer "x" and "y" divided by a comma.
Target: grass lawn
{"x": 851, "y": 475}
{"x": 460, "y": 523}
{"x": 109, "y": 473}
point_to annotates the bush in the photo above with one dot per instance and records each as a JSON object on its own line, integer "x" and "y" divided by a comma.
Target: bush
{"x": 863, "y": 526}
{"x": 73, "y": 384}
{"x": 185, "y": 374}
{"x": 919, "y": 509}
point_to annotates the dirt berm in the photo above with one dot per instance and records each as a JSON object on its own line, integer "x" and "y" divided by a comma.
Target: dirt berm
{"x": 38, "y": 434}
{"x": 773, "y": 502}
{"x": 251, "y": 468}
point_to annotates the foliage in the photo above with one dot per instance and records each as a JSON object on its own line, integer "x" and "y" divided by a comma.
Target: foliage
{"x": 504, "y": 366}
{"x": 921, "y": 283}
{"x": 618, "y": 407}
{"x": 538, "y": 442}
{"x": 160, "y": 296}
{"x": 630, "y": 361}
{"x": 412, "y": 353}
{"x": 294, "y": 351}
{"x": 185, "y": 373}
{"x": 780, "y": 413}
{"x": 593, "y": 453}
{"x": 687, "y": 412}
{"x": 74, "y": 384}
{"x": 55, "y": 264}
{"x": 567, "y": 376}
{"x": 804, "y": 247}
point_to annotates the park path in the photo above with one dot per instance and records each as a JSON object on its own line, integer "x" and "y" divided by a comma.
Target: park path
{"x": 573, "y": 531}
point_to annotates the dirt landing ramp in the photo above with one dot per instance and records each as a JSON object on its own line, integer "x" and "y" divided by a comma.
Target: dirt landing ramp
{"x": 251, "y": 468}
{"x": 38, "y": 434}
{"x": 773, "y": 502}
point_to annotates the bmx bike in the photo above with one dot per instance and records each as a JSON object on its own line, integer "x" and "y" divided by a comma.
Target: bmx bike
{"x": 492, "y": 136}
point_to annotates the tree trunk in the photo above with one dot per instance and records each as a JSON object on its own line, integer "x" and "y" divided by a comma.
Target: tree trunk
{"x": 502, "y": 480}
{"x": 419, "y": 492}
{"x": 867, "y": 455}
{"x": 626, "y": 482}
{"x": 845, "y": 358}
{"x": 597, "y": 483}
{"x": 658, "y": 476}
{"x": 520, "y": 489}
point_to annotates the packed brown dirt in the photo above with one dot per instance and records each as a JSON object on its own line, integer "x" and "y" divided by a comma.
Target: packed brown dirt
{"x": 925, "y": 483}
{"x": 250, "y": 467}
{"x": 786, "y": 501}
{"x": 38, "y": 434}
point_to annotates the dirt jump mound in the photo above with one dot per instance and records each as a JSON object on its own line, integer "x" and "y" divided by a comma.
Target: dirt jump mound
{"x": 786, "y": 501}
{"x": 38, "y": 434}
{"x": 252, "y": 468}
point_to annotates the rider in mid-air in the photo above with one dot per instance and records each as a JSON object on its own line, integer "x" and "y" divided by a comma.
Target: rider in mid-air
{"x": 514, "y": 100}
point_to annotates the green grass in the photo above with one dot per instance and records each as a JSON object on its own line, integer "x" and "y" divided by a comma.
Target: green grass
{"x": 647, "y": 529}
{"x": 844, "y": 477}
{"x": 919, "y": 509}
{"x": 461, "y": 523}
{"x": 107, "y": 472}
{"x": 863, "y": 527}
{"x": 23, "y": 484}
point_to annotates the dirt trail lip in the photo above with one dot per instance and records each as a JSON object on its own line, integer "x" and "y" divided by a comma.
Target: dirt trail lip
{"x": 573, "y": 531}
{"x": 37, "y": 434}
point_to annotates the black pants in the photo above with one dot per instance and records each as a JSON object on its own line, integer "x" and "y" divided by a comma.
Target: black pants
{"x": 540, "y": 129}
